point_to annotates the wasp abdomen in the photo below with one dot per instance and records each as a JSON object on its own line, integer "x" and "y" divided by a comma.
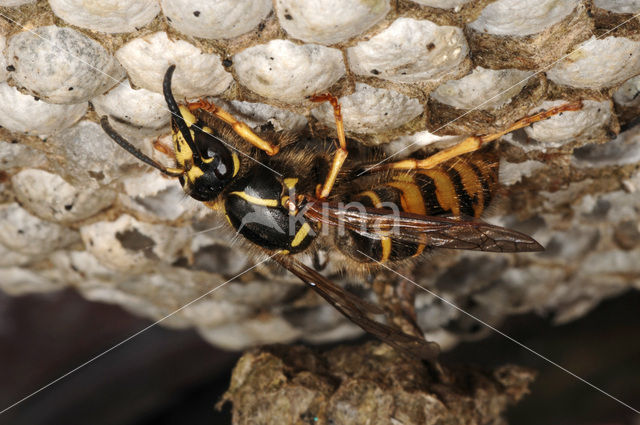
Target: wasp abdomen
{"x": 461, "y": 187}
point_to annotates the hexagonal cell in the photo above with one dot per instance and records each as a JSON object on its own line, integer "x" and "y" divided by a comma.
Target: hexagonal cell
{"x": 568, "y": 126}
{"x": 29, "y": 235}
{"x": 143, "y": 109}
{"x": 130, "y": 245}
{"x": 215, "y": 19}
{"x": 484, "y": 102}
{"x": 371, "y": 110}
{"x": 4, "y": 73}
{"x": 512, "y": 173}
{"x": 61, "y": 65}
{"x": 83, "y": 269}
{"x": 15, "y": 155}
{"x": 619, "y": 6}
{"x": 111, "y": 16}
{"x": 146, "y": 60}
{"x": 611, "y": 208}
{"x": 48, "y": 196}
{"x": 13, "y": 3}
{"x": 22, "y": 113}
{"x": 514, "y": 17}
{"x": 428, "y": 53}
{"x": 627, "y": 93}
{"x": 524, "y": 35}
{"x": 329, "y": 21}
{"x": 442, "y": 4}
{"x": 91, "y": 159}
{"x": 214, "y": 250}
{"x": 598, "y": 63}
{"x": 623, "y": 150}
{"x": 157, "y": 196}
{"x": 286, "y": 71}
{"x": 257, "y": 115}
{"x": 482, "y": 89}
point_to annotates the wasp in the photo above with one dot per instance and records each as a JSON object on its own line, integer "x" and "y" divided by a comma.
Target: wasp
{"x": 281, "y": 194}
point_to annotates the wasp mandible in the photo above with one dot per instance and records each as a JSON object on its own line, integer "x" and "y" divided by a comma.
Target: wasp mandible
{"x": 279, "y": 194}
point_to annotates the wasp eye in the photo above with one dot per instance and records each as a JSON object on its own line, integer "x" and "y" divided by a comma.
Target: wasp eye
{"x": 215, "y": 157}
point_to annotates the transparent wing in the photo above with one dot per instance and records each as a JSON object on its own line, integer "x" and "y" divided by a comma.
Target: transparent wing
{"x": 357, "y": 310}
{"x": 443, "y": 232}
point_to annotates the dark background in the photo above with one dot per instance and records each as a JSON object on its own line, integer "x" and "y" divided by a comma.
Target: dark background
{"x": 167, "y": 377}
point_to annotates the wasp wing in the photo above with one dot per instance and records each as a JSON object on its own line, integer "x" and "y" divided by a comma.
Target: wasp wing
{"x": 357, "y": 310}
{"x": 441, "y": 232}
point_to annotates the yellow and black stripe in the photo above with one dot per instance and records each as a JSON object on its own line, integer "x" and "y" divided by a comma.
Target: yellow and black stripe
{"x": 460, "y": 187}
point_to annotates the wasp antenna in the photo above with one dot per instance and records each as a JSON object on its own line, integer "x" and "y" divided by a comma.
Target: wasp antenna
{"x": 126, "y": 145}
{"x": 173, "y": 106}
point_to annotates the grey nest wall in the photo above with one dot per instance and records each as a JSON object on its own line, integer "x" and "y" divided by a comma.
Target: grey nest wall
{"x": 75, "y": 210}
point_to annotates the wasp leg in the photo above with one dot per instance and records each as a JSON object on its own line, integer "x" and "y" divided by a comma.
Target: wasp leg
{"x": 474, "y": 143}
{"x": 239, "y": 127}
{"x": 163, "y": 149}
{"x": 340, "y": 156}
{"x": 398, "y": 300}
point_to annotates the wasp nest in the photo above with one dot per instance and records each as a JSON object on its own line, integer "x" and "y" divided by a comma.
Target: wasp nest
{"x": 79, "y": 211}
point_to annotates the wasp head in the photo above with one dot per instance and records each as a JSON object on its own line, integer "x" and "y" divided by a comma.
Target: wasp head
{"x": 204, "y": 163}
{"x": 207, "y": 164}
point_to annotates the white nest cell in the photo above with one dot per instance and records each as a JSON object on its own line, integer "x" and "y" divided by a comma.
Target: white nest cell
{"x": 15, "y": 155}
{"x": 511, "y": 173}
{"x": 140, "y": 108}
{"x": 598, "y": 63}
{"x": 619, "y": 6}
{"x": 110, "y": 16}
{"x": 61, "y": 65}
{"x": 443, "y": 4}
{"x": 628, "y": 94}
{"x": 146, "y": 60}
{"x": 566, "y": 127}
{"x": 49, "y": 197}
{"x": 623, "y": 150}
{"x": 520, "y": 18}
{"x": 288, "y": 72}
{"x": 428, "y": 52}
{"x": 329, "y": 21}
{"x": 4, "y": 74}
{"x": 215, "y": 19}
{"x": 13, "y": 3}
{"x": 482, "y": 89}
{"x": 128, "y": 244}
{"x": 91, "y": 158}
{"x": 22, "y": 113}
{"x": 371, "y": 110}
{"x": 29, "y": 235}
{"x": 258, "y": 115}
{"x": 157, "y": 197}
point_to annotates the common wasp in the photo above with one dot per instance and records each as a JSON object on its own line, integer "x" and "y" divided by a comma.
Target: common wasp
{"x": 288, "y": 196}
